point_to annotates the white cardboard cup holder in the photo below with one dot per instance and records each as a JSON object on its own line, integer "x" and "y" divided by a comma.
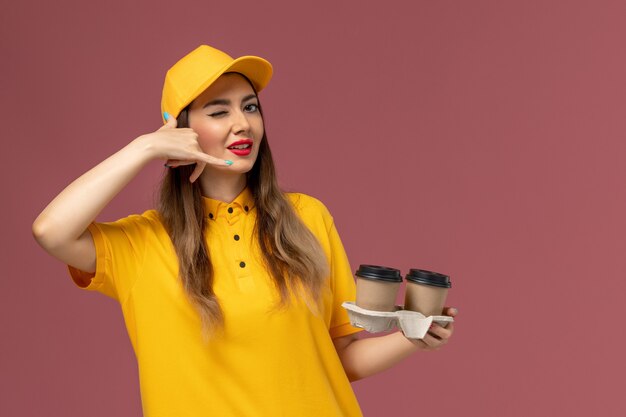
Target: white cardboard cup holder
{"x": 414, "y": 325}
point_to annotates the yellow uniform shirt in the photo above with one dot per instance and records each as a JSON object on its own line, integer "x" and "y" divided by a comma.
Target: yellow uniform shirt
{"x": 278, "y": 364}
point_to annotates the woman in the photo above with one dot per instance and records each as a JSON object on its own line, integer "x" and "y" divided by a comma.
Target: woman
{"x": 231, "y": 290}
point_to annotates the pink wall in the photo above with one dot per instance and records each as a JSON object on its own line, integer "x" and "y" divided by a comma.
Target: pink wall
{"x": 483, "y": 139}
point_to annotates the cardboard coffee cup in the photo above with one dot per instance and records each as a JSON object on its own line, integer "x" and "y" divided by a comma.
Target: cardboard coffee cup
{"x": 377, "y": 287}
{"x": 426, "y": 292}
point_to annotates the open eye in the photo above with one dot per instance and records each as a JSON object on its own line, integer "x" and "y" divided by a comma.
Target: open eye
{"x": 251, "y": 108}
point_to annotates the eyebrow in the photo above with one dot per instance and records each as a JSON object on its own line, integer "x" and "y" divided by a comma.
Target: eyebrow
{"x": 226, "y": 102}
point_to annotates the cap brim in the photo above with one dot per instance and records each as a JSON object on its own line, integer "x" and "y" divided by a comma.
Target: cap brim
{"x": 256, "y": 69}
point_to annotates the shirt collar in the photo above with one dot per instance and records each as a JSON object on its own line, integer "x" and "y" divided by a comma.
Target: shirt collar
{"x": 243, "y": 203}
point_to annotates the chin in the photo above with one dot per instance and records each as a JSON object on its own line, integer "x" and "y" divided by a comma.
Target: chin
{"x": 240, "y": 166}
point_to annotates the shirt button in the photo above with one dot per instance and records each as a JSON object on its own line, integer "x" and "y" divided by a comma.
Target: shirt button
{"x": 242, "y": 264}
{"x": 230, "y": 209}
{"x": 236, "y": 237}
{"x": 210, "y": 215}
{"x": 245, "y": 208}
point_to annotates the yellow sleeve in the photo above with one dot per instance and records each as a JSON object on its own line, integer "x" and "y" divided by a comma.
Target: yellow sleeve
{"x": 342, "y": 285}
{"x": 120, "y": 249}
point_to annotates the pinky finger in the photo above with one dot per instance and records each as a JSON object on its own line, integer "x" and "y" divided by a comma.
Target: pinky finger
{"x": 431, "y": 341}
{"x": 197, "y": 171}
{"x": 175, "y": 163}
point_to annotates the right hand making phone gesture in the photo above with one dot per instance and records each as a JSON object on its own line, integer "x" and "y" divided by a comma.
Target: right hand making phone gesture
{"x": 61, "y": 228}
{"x": 179, "y": 146}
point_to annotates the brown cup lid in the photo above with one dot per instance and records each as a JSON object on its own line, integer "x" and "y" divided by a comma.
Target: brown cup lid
{"x": 379, "y": 273}
{"x": 421, "y": 276}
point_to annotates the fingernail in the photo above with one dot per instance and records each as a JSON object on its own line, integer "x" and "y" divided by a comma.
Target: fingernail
{"x": 166, "y": 115}
{"x": 229, "y": 162}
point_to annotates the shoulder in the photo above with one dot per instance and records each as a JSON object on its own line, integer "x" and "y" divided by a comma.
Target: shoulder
{"x": 136, "y": 223}
{"x": 137, "y": 230}
{"x": 310, "y": 209}
{"x": 151, "y": 217}
{"x": 307, "y": 204}
{"x": 148, "y": 217}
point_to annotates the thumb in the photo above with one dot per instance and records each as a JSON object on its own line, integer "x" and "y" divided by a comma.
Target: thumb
{"x": 170, "y": 121}
{"x": 451, "y": 311}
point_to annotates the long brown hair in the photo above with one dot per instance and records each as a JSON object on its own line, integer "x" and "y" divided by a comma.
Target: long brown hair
{"x": 291, "y": 253}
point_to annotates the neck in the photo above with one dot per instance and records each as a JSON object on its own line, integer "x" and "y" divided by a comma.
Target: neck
{"x": 222, "y": 187}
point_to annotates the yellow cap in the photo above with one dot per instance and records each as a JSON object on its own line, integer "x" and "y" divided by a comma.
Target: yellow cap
{"x": 197, "y": 70}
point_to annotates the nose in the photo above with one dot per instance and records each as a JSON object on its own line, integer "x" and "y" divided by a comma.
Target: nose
{"x": 240, "y": 123}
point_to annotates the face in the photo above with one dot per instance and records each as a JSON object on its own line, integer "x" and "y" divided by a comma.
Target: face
{"x": 227, "y": 115}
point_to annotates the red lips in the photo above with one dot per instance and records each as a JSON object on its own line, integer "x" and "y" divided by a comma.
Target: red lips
{"x": 241, "y": 142}
{"x": 245, "y": 151}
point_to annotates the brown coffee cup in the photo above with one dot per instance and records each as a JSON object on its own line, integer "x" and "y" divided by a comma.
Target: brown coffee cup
{"x": 426, "y": 292}
{"x": 377, "y": 287}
